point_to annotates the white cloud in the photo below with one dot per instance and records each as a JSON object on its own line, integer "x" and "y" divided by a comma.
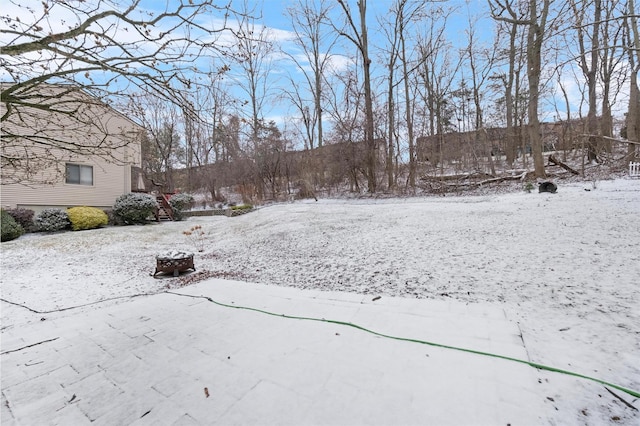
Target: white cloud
{"x": 339, "y": 63}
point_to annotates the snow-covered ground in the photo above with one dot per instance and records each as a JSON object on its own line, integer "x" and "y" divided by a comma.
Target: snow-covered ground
{"x": 565, "y": 267}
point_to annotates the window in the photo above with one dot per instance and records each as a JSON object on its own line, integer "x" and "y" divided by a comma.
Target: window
{"x": 79, "y": 175}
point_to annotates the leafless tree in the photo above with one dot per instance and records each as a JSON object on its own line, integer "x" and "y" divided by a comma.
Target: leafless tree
{"x": 588, "y": 58}
{"x": 344, "y": 106}
{"x": 201, "y": 136}
{"x": 162, "y": 147}
{"x": 103, "y": 50}
{"x": 436, "y": 73}
{"x": 396, "y": 26}
{"x": 392, "y": 28}
{"x": 536, "y": 23}
{"x": 512, "y": 93}
{"x": 358, "y": 35}
{"x": 253, "y": 52}
{"x": 481, "y": 61}
{"x": 407, "y": 16}
{"x": 611, "y": 71}
{"x": 633, "y": 49}
{"x": 309, "y": 19}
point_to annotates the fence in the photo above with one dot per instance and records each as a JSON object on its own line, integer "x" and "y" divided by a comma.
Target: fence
{"x": 634, "y": 169}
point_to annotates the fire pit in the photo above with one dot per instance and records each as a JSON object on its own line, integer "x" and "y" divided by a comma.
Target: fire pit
{"x": 174, "y": 262}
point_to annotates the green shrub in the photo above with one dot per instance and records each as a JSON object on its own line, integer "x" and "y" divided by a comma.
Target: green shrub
{"x": 179, "y": 203}
{"x": 10, "y": 228}
{"x": 134, "y": 207}
{"x": 51, "y": 220}
{"x": 242, "y": 207}
{"x": 87, "y": 218}
{"x": 24, "y": 217}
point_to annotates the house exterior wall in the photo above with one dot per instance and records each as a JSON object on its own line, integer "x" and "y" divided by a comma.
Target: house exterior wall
{"x": 111, "y": 170}
{"x": 109, "y": 182}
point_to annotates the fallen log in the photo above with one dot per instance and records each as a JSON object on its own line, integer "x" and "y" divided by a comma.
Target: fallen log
{"x": 492, "y": 180}
{"x": 503, "y": 178}
{"x": 458, "y": 177}
{"x": 553, "y": 160}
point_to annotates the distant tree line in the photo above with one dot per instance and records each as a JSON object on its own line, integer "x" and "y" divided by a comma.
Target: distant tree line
{"x": 427, "y": 108}
{"x": 205, "y": 94}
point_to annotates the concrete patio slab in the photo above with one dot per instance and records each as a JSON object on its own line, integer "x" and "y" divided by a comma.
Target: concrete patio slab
{"x": 177, "y": 358}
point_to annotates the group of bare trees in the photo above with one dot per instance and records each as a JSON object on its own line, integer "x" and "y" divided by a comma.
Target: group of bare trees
{"x": 204, "y": 79}
{"x": 506, "y": 79}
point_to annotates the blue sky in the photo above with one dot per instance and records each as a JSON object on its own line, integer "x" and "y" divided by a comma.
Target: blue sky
{"x": 457, "y": 23}
{"x": 275, "y": 18}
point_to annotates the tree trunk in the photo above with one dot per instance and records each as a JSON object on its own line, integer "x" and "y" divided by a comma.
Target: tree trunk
{"x": 592, "y": 119}
{"x": 368, "y": 100}
{"x": 534, "y": 53}
{"x": 391, "y": 118}
{"x": 512, "y": 145}
{"x": 633, "y": 115}
{"x": 409, "y": 115}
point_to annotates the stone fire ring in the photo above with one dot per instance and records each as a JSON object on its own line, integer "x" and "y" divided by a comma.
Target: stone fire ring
{"x": 174, "y": 262}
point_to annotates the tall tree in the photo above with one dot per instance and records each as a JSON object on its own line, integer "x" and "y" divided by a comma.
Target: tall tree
{"x": 309, "y": 18}
{"x": 253, "y": 52}
{"x": 359, "y": 36}
{"x": 203, "y": 135}
{"x": 611, "y": 59}
{"x": 588, "y": 56}
{"x": 392, "y": 32}
{"x": 406, "y": 16}
{"x": 162, "y": 148}
{"x": 345, "y": 109}
{"x": 633, "y": 49}
{"x": 397, "y": 26}
{"x": 436, "y": 72}
{"x": 536, "y": 24}
{"x": 535, "y": 37}
{"x": 481, "y": 61}
{"x": 108, "y": 49}
{"x": 509, "y": 85}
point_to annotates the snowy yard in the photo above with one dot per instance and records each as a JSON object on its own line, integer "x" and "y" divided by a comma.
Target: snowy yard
{"x": 565, "y": 267}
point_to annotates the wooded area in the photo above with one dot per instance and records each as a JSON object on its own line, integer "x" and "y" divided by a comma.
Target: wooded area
{"x": 548, "y": 78}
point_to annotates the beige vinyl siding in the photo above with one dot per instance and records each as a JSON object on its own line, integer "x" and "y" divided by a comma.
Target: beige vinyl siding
{"x": 110, "y": 179}
{"x": 109, "y": 182}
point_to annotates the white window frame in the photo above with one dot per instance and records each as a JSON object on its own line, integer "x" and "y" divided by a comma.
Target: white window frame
{"x": 84, "y": 174}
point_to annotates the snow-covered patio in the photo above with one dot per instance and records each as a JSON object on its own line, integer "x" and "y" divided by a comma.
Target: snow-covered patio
{"x": 167, "y": 359}
{"x": 548, "y": 278}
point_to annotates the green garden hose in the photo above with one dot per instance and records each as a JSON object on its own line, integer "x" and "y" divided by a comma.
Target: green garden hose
{"x": 631, "y": 392}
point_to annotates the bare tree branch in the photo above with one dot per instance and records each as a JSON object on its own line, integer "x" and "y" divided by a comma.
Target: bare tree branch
{"x": 65, "y": 61}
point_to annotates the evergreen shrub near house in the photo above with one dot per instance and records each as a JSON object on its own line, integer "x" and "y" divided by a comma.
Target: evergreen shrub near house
{"x": 87, "y": 218}
{"x": 24, "y": 217}
{"x": 9, "y": 227}
{"x": 134, "y": 207}
{"x": 179, "y": 203}
{"x": 51, "y": 220}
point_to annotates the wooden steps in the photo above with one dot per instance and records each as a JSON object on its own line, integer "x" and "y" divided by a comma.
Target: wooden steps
{"x": 164, "y": 212}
